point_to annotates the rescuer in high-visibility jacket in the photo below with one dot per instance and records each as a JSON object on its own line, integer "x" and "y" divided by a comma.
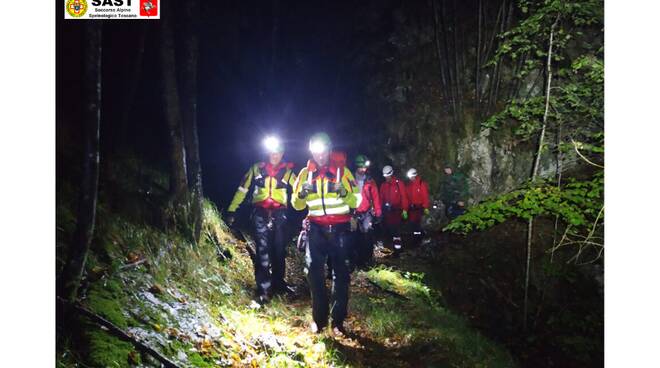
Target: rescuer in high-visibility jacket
{"x": 329, "y": 193}
{"x": 270, "y": 182}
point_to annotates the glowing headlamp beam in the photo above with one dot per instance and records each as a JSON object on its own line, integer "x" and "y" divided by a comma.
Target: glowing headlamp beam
{"x": 272, "y": 144}
{"x": 317, "y": 147}
{"x": 367, "y": 163}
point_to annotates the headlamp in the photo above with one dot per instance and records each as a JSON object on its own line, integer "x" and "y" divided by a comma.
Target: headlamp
{"x": 317, "y": 147}
{"x": 367, "y": 163}
{"x": 272, "y": 144}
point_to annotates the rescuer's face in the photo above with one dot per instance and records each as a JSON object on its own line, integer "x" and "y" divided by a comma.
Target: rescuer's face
{"x": 388, "y": 178}
{"x": 275, "y": 158}
{"x": 321, "y": 158}
{"x": 448, "y": 170}
{"x": 362, "y": 170}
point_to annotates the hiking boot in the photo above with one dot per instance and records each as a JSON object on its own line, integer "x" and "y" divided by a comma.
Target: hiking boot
{"x": 316, "y": 329}
{"x": 263, "y": 299}
{"x": 284, "y": 290}
{"x": 339, "y": 330}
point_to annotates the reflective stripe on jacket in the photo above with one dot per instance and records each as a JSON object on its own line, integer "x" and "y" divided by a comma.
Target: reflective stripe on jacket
{"x": 270, "y": 185}
{"x": 325, "y": 205}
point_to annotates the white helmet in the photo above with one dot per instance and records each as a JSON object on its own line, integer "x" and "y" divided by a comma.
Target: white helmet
{"x": 388, "y": 171}
{"x": 412, "y": 173}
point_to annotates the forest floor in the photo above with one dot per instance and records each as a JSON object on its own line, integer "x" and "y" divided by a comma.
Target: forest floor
{"x": 194, "y": 305}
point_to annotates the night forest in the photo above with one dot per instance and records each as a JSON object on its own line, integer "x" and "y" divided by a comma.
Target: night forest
{"x": 498, "y": 105}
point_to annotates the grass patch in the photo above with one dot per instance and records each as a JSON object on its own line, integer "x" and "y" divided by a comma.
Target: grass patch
{"x": 406, "y": 284}
{"x": 105, "y": 350}
{"x": 420, "y": 320}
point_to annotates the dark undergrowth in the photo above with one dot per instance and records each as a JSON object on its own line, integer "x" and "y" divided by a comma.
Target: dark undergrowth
{"x": 481, "y": 276}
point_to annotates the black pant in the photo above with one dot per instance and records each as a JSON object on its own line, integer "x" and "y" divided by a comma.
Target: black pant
{"x": 364, "y": 240}
{"x": 328, "y": 242}
{"x": 270, "y": 239}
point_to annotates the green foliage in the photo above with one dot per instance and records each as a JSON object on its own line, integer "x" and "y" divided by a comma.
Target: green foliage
{"x": 577, "y": 95}
{"x": 574, "y": 114}
{"x": 530, "y": 36}
{"x": 578, "y": 204}
{"x": 577, "y": 102}
{"x": 196, "y": 360}
{"x": 407, "y": 284}
{"x": 528, "y": 114}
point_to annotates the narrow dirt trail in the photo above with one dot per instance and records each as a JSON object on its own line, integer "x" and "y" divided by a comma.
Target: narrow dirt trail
{"x": 412, "y": 338}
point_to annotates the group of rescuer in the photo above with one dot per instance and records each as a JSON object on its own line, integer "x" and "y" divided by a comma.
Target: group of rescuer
{"x": 342, "y": 209}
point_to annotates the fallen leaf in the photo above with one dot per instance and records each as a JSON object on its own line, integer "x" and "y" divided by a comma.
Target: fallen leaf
{"x": 156, "y": 289}
{"x": 132, "y": 257}
{"x": 173, "y": 333}
{"x": 204, "y": 346}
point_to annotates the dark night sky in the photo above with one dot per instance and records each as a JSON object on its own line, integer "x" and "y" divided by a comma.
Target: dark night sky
{"x": 312, "y": 84}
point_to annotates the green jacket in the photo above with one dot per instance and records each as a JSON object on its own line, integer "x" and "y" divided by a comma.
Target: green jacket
{"x": 453, "y": 188}
{"x": 269, "y": 183}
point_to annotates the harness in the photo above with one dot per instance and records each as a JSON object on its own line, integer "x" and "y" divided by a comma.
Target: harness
{"x": 281, "y": 177}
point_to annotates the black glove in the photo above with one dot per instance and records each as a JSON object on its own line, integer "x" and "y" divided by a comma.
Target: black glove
{"x": 340, "y": 190}
{"x": 260, "y": 181}
{"x": 229, "y": 220}
{"x": 306, "y": 188}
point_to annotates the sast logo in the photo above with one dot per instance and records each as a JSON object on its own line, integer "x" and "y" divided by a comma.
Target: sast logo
{"x": 76, "y": 8}
{"x": 148, "y": 8}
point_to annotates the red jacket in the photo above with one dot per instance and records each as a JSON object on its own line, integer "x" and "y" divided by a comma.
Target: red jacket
{"x": 418, "y": 193}
{"x": 394, "y": 193}
{"x": 370, "y": 198}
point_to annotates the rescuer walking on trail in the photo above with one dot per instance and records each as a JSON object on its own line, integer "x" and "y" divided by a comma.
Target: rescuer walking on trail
{"x": 418, "y": 195}
{"x": 395, "y": 205}
{"x": 369, "y": 211}
{"x": 270, "y": 181}
{"x": 329, "y": 193}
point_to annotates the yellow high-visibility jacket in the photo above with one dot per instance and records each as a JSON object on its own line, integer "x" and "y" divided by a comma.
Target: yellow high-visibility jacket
{"x": 324, "y": 203}
{"x": 270, "y": 185}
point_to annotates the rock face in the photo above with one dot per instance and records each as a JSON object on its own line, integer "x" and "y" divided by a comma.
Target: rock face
{"x": 492, "y": 162}
{"x": 428, "y": 85}
{"x": 495, "y": 166}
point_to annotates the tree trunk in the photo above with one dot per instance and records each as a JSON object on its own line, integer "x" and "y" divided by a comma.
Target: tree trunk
{"x": 73, "y": 271}
{"x": 133, "y": 85}
{"x": 457, "y": 66}
{"x": 436, "y": 32}
{"x": 535, "y": 169}
{"x": 170, "y": 95}
{"x": 191, "y": 53}
{"x": 477, "y": 69}
{"x": 451, "y": 78}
